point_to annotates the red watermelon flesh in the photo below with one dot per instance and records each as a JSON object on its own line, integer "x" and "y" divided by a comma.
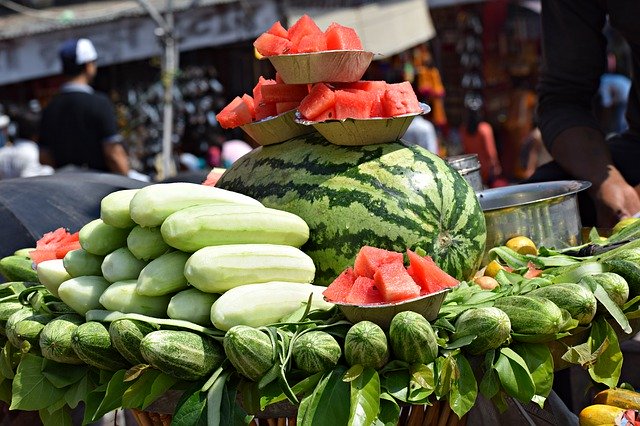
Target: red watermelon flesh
{"x": 329, "y": 114}
{"x": 342, "y": 38}
{"x": 320, "y": 99}
{"x": 370, "y": 258}
{"x": 54, "y": 245}
{"x": 312, "y": 43}
{"x": 339, "y": 289}
{"x": 235, "y": 114}
{"x": 284, "y": 92}
{"x": 278, "y": 30}
{"x": 286, "y": 106}
{"x": 269, "y": 45}
{"x": 427, "y": 274}
{"x": 302, "y": 27}
{"x": 353, "y": 104}
{"x": 257, "y": 90}
{"x": 248, "y": 101}
{"x": 364, "y": 292}
{"x": 398, "y": 99}
{"x": 394, "y": 282}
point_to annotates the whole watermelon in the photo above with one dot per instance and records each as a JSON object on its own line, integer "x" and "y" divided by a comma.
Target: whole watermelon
{"x": 391, "y": 196}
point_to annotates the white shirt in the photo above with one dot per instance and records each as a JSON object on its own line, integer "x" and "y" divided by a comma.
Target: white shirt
{"x": 21, "y": 159}
{"x": 421, "y": 132}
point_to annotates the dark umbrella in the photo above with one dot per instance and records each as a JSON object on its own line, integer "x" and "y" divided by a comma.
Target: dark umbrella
{"x": 30, "y": 207}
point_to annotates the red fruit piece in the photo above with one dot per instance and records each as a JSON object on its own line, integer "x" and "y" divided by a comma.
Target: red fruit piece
{"x": 370, "y": 258}
{"x": 312, "y": 43}
{"x": 364, "y": 292}
{"x": 320, "y": 99}
{"x": 398, "y": 99}
{"x": 284, "y": 92}
{"x": 353, "y": 104}
{"x": 302, "y": 27}
{"x": 427, "y": 274}
{"x": 235, "y": 114}
{"x": 339, "y": 289}
{"x": 271, "y": 45}
{"x": 342, "y": 38}
{"x": 278, "y": 30}
{"x": 394, "y": 282}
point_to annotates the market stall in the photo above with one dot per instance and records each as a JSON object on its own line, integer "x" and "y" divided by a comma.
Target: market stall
{"x": 331, "y": 277}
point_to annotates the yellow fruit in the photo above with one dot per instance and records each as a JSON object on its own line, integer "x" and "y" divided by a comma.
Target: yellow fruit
{"x": 522, "y": 245}
{"x": 624, "y": 223}
{"x": 486, "y": 282}
{"x": 622, "y": 398}
{"x": 492, "y": 269}
{"x": 599, "y": 414}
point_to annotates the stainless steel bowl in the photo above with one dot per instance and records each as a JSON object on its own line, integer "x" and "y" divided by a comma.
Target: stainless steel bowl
{"x": 468, "y": 165}
{"x": 546, "y": 212}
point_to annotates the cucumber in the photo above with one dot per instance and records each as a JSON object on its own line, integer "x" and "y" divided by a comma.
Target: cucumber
{"x": 100, "y": 239}
{"x": 56, "y": 336}
{"x": 613, "y": 284}
{"x": 412, "y": 338}
{"x": 80, "y": 262}
{"x": 24, "y": 252}
{"x": 121, "y": 265}
{"x": 51, "y": 274}
{"x": 531, "y": 314}
{"x": 217, "y": 269}
{"x": 249, "y": 350}
{"x": 490, "y": 325}
{"x": 114, "y": 208}
{"x": 122, "y": 297}
{"x": 17, "y": 268}
{"x": 256, "y": 305}
{"x": 126, "y": 336}
{"x": 92, "y": 343}
{"x": 629, "y": 270}
{"x": 23, "y": 328}
{"x": 83, "y": 293}
{"x": 192, "y": 305}
{"x": 146, "y": 243}
{"x": 196, "y": 227}
{"x": 6, "y": 310}
{"x": 163, "y": 275}
{"x": 576, "y": 299}
{"x": 182, "y": 354}
{"x": 154, "y": 203}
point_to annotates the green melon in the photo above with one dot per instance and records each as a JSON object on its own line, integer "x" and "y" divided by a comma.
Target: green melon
{"x": 22, "y": 327}
{"x": 55, "y": 339}
{"x": 366, "y": 344}
{"x": 126, "y": 336}
{"x": 579, "y": 301}
{"x": 412, "y": 338}
{"x": 491, "y": 326}
{"x": 390, "y": 196}
{"x": 249, "y": 350}
{"x": 92, "y": 344}
{"x": 316, "y": 351}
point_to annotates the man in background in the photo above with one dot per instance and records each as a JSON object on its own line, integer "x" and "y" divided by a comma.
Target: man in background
{"x": 78, "y": 127}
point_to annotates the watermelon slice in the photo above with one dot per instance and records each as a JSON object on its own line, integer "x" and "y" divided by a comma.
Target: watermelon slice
{"x": 265, "y": 110}
{"x": 427, "y": 274}
{"x": 286, "y": 106}
{"x": 257, "y": 89}
{"x": 312, "y": 43}
{"x": 353, "y": 104}
{"x": 303, "y": 27}
{"x": 237, "y": 113}
{"x": 320, "y": 99}
{"x": 342, "y": 38}
{"x": 269, "y": 45}
{"x": 394, "y": 282}
{"x": 369, "y": 259}
{"x": 364, "y": 292}
{"x": 54, "y": 245}
{"x": 399, "y": 98}
{"x": 339, "y": 289}
{"x": 248, "y": 101}
{"x": 284, "y": 92}
{"x": 278, "y": 30}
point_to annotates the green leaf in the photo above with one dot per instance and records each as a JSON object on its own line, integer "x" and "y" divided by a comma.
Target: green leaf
{"x": 214, "y": 400}
{"x": 91, "y": 404}
{"x": 612, "y": 308}
{"x": 606, "y": 368}
{"x": 396, "y": 383}
{"x": 459, "y": 343}
{"x": 136, "y": 371}
{"x": 329, "y": 403}
{"x": 31, "y": 390}
{"x": 424, "y": 375}
{"x": 5, "y": 391}
{"x": 579, "y": 354}
{"x": 540, "y": 364}
{"x": 191, "y": 408}
{"x": 59, "y": 417}
{"x": 7, "y": 361}
{"x": 113, "y": 395}
{"x": 365, "y": 398}
{"x": 464, "y": 389}
{"x": 146, "y": 389}
{"x": 389, "y": 414}
{"x": 62, "y": 375}
{"x": 490, "y": 383}
{"x": 78, "y": 391}
{"x": 353, "y": 373}
{"x": 446, "y": 369}
{"x": 514, "y": 375}
{"x": 231, "y": 413}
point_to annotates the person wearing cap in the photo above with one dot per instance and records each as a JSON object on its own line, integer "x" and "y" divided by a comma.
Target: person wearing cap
{"x": 78, "y": 127}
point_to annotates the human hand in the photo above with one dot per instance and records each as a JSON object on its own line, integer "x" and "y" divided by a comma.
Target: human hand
{"x": 615, "y": 199}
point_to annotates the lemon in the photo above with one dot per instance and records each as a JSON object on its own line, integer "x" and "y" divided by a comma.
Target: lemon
{"x": 493, "y": 268}
{"x": 522, "y": 245}
{"x": 624, "y": 223}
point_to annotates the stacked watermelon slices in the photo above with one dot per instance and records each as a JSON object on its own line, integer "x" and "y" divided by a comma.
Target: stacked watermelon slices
{"x": 380, "y": 276}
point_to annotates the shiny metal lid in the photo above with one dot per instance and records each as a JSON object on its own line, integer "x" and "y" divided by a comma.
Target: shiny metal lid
{"x": 528, "y": 193}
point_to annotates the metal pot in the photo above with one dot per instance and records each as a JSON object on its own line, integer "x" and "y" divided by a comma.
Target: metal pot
{"x": 546, "y": 212}
{"x": 468, "y": 166}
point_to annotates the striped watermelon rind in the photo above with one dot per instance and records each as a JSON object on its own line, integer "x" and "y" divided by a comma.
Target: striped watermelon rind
{"x": 391, "y": 196}
{"x": 367, "y": 345}
{"x": 316, "y": 351}
{"x": 412, "y": 338}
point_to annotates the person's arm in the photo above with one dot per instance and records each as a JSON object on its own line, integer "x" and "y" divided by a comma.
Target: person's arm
{"x": 115, "y": 156}
{"x": 573, "y": 61}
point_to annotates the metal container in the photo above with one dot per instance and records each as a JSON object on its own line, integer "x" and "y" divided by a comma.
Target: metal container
{"x": 546, "y": 212}
{"x": 468, "y": 166}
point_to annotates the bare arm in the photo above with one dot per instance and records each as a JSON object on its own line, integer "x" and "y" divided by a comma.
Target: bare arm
{"x": 116, "y": 158}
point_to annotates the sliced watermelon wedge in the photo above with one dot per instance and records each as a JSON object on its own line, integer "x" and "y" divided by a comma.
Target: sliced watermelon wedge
{"x": 395, "y": 283}
{"x": 364, "y": 292}
{"x": 339, "y": 289}
{"x": 427, "y": 274}
{"x": 54, "y": 245}
{"x": 369, "y": 259}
